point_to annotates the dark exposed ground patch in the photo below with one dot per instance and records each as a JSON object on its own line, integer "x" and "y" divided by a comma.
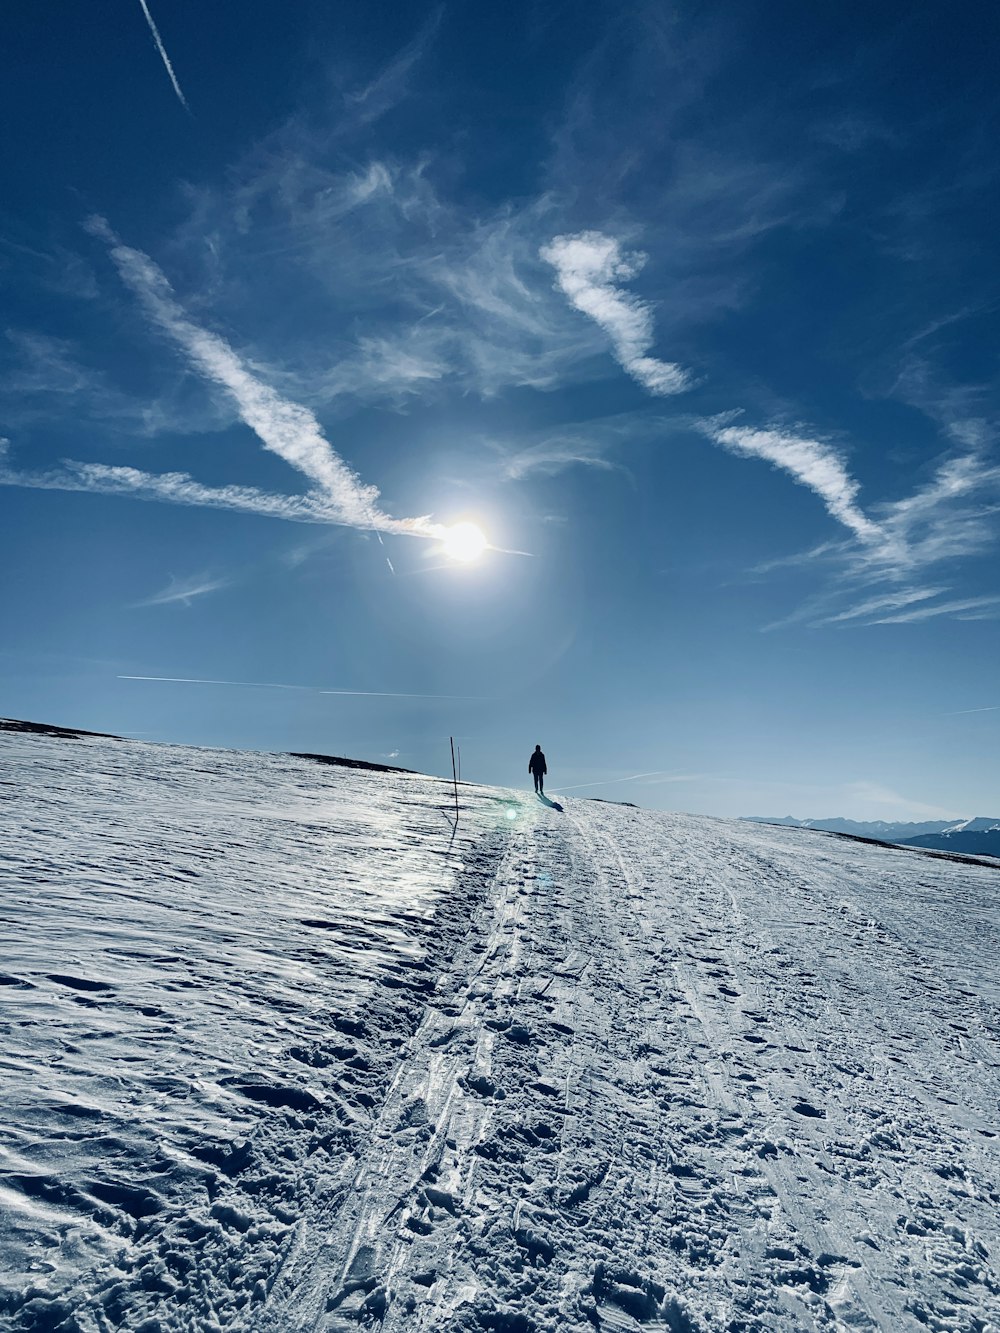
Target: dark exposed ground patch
{"x": 341, "y": 762}
{"x": 79, "y": 983}
{"x": 47, "y": 729}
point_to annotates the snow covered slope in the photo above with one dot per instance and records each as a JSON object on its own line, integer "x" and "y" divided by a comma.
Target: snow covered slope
{"x": 283, "y": 1049}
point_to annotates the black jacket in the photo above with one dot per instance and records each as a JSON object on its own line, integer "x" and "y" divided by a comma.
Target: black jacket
{"x": 536, "y": 764}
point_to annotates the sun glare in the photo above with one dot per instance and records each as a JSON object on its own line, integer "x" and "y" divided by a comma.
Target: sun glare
{"x": 464, "y": 542}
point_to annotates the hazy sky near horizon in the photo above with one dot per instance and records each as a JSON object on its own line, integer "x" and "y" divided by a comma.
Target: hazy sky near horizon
{"x": 692, "y": 309}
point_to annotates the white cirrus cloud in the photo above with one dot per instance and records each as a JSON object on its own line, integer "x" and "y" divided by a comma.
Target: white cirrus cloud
{"x": 811, "y": 462}
{"x": 954, "y": 515}
{"x": 390, "y": 86}
{"x": 951, "y": 517}
{"x": 428, "y": 296}
{"x": 170, "y": 488}
{"x": 284, "y": 427}
{"x": 182, "y": 592}
{"x": 590, "y": 268}
{"x": 962, "y": 608}
{"x": 894, "y": 601}
{"x": 555, "y": 454}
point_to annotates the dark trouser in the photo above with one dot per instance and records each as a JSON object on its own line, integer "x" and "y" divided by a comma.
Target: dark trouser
{"x": 539, "y": 779}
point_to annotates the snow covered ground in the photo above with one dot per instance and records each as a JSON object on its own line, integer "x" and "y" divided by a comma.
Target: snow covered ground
{"x": 284, "y": 1049}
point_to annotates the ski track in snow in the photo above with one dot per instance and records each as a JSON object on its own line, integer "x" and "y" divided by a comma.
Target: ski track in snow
{"x": 284, "y": 1049}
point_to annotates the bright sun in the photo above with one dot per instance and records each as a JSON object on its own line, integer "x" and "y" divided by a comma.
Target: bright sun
{"x": 464, "y": 542}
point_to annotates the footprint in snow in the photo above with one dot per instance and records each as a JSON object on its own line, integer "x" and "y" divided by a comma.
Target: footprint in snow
{"x": 518, "y": 1034}
{"x": 807, "y": 1109}
{"x": 483, "y": 1086}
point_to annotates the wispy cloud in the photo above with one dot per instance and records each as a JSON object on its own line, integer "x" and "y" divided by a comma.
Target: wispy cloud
{"x": 309, "y": 689}
{"x": 811, "y": 462}
{"x": 963, "y": 608}
{"x": 590, "y": 267}
{"x": 434, "y": 296}
{"x": 953, "y": 515}
{"x": 906, "y": 604}
{"x": 961, "y": 712}
{"x": 164, "y": 57}
{"x": 392, "y": 369}
{"x": 389, "y": 86}
{"x": 601, "y": 443}
{"x": 43, "y": 366}
{"x": 184, "y": 591}
{"x": 892, "y": 601}
{"x": 49, "y": 263}
{"x": 892, "y": 543}
{"x": 555, "y": 454}
{"x": 169, "y": 487}
{"x": 284, "y": 427}
{"x": 45, "y": 378}
{"x": 881, "y": 570}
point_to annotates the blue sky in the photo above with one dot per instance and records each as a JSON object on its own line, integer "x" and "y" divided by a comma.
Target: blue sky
{"x": 691, "y": 309}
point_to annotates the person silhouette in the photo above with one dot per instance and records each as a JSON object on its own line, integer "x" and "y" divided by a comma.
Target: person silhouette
{"x": 537, "y": 767}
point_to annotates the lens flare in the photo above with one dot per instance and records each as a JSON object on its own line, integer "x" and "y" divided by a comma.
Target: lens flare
{"x": 464, "y": 542}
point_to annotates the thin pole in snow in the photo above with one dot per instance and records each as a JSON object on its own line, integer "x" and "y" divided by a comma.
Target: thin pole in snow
{"x": 458, "y": 750}
{"x": 454, "y": 775}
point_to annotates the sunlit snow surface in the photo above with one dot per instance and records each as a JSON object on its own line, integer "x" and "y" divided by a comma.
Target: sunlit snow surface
{"x": 283, "y": 1049}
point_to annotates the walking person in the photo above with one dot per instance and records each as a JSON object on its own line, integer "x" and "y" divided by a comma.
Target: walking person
{"x": 537, "y": 767}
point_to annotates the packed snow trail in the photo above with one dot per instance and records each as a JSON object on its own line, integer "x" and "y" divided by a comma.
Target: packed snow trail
{"x": 596, "y": 1069}
{"x": 635, "y": 1100}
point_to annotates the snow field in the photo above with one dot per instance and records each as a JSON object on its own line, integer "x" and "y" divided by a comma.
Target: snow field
{"x": 284, "y": 1050}
{"x": 208, "y": 968}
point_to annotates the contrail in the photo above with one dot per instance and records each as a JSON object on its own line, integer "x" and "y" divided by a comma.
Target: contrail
{"x": 990, "y": 708}
{"x": 312, "y": 689}
{"x": 164, "y": 57}
{"x": 610, "y": 782}
{"x": 284, "y": 427}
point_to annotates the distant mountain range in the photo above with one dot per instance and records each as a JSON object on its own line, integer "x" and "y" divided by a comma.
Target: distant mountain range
{"x": 977, "y": 837}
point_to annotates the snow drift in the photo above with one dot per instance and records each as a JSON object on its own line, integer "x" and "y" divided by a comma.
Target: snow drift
{"x": 283, "y": 1048}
